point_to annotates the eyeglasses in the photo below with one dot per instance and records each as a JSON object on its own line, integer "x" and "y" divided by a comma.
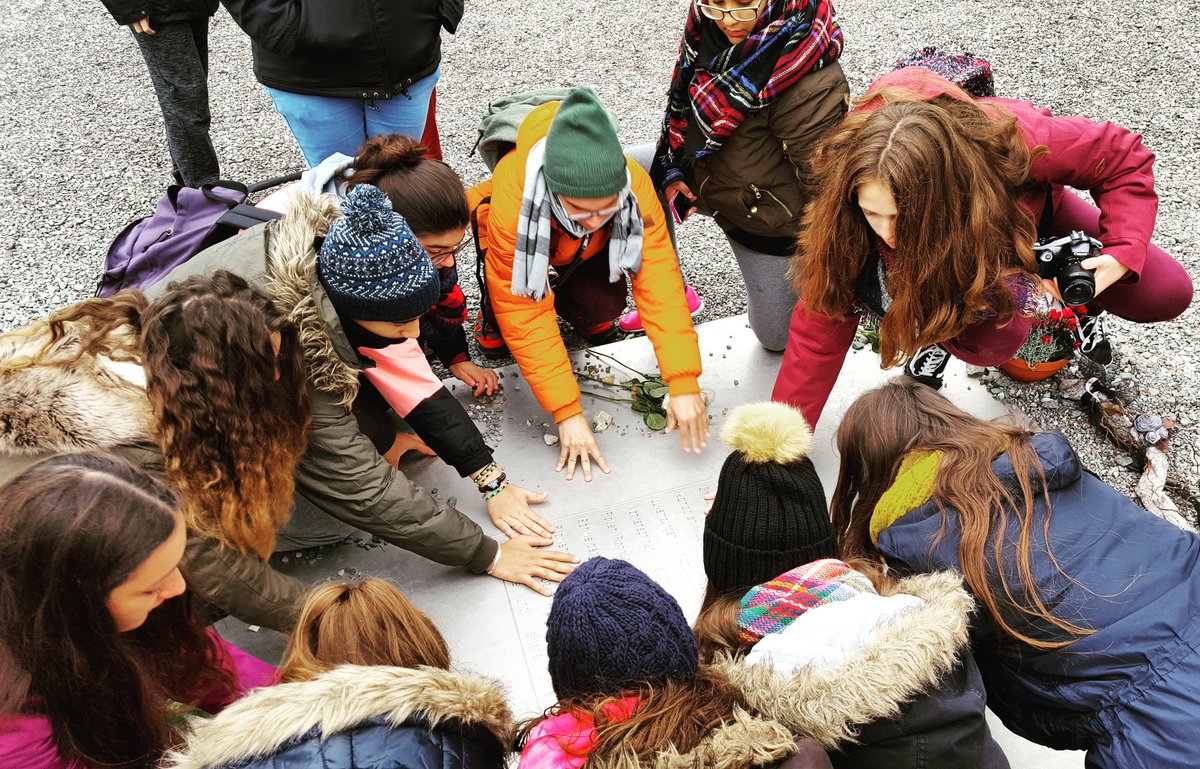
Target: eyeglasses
{"x": 604, "y": 213}
{"x": 737, "y": 14}
{"x": 436, "y": 253}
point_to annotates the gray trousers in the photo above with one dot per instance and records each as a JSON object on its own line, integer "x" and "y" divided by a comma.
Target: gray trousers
{"x": 177, "y": 60}
{"x": 770, "y": 298}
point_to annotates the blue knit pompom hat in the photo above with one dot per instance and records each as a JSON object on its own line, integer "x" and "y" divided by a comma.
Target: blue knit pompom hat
{"x": 611, "y": 626}
{"x": 372, "y": 265}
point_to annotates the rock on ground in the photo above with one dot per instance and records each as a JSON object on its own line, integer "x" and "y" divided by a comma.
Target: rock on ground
{"x": 82, "y": 152}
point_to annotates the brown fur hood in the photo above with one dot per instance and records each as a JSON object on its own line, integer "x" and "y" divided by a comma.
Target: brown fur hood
{"x": 745, "y": 742}
{"x": 337, "y": 701}
{"x": 84, "y": 405}
{"x": 907, "y": 657}
{"x": 296, "y": 290}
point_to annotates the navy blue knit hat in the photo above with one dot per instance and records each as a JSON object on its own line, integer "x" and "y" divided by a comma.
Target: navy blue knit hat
{"x": 611, "y": 626}
{"x": 372, "y": 265}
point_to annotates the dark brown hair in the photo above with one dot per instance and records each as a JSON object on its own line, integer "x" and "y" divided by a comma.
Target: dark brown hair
{"x": 232, "y": 417}
{"x": 678, "y": 713}
{"x": 73, "y": 528}
{"x": 360, "y": 623}
{"x": 956, "y": 173}
{"x": 424, "y": 191}
{"x": 886, "y": 424}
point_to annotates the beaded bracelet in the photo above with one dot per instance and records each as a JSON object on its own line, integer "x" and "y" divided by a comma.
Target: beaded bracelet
{"x": 492, "y": 486}
{"x": 494, "y": 492}
{"x": 484, "y": 473}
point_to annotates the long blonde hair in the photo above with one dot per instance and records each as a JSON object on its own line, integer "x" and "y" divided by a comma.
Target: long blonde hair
{"x": 369, "y": 622}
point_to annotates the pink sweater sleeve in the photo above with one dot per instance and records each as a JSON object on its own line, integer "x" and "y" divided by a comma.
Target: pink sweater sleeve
{"x": 816, "y": 349}
{"x": 249, "y": 672}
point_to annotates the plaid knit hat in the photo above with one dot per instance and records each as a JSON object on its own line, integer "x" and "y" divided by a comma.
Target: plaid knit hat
{"x": 769, "y": 513}
{"x": 611, "y": 626}
{"x": 583, "y": 157}
{"x": 770, "y": 607}
{"x": 372, "y": 265}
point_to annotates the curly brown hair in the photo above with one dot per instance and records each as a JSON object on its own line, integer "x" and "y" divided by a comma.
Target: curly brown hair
{"x": 956, "y": 172}
{"x": 232, "y": 415}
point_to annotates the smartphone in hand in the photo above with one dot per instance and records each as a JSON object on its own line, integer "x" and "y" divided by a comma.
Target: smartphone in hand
{"x": 680, "y": 207}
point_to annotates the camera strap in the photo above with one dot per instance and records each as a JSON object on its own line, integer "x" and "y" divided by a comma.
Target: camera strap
{"x": 1047, "y": 219}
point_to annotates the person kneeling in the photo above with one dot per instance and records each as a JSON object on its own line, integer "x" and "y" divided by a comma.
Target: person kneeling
{"x": 569, "y": 217}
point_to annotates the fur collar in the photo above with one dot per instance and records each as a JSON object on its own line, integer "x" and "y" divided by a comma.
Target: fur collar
{"x": 84, "y": 405}
{"x": 741, "y": 743}
{"x": 907, "y": 657}
{"x": 332, "y": 364}
{"x": 267, "y": 719}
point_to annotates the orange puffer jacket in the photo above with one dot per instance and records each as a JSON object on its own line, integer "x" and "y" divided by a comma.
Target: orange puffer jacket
{"x": 530, "y": 328}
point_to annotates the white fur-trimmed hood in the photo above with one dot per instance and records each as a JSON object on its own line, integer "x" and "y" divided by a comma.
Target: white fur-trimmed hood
{"x": 907, "y": 657}
{"x": 337, "y": 701}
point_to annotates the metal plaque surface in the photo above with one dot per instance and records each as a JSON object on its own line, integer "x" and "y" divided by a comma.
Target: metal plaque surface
{"x": 649, "y": 511}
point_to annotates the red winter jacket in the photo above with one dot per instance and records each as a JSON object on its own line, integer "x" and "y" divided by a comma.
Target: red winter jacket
{"x": 1107, "y": 160}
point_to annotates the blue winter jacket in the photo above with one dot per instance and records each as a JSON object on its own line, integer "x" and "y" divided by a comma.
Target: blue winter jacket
{"x": 1130, "y": 692}
{"x": 358, "y": 718}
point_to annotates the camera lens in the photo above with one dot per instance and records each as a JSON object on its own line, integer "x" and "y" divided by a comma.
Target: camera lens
{"x": 1077, "y": 285}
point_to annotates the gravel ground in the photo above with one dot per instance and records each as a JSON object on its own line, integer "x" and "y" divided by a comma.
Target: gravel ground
{"x": 82, "y": 152}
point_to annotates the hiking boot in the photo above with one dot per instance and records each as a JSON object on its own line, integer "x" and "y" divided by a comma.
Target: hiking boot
{"x": 928, "y": 365}
{"x": 632, "y": 321}
{"x": 491, "y": 344}
{"x": 601, "y": 333}
{"x": 1093, "y": 344}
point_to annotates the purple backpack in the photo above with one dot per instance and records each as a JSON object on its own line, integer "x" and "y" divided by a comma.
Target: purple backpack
{"x": 186, "y": 221}
{"x": 966, "y": 70}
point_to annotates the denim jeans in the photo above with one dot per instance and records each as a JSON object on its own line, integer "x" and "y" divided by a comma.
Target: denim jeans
{"x": 324, "y": 125}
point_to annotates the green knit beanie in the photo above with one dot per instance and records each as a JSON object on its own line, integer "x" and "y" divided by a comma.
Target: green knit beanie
{"x": 583, "y": 157}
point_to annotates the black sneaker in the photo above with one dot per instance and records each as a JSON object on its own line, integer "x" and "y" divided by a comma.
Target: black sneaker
{"x": 927, "y": 365}
{"x": 1093, "y": 344}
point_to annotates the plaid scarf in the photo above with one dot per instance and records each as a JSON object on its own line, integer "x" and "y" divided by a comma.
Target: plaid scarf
{"x": 716, "y": 86}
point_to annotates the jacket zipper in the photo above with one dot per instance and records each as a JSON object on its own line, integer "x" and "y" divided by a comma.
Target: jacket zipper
{"x": 758, "y": 195}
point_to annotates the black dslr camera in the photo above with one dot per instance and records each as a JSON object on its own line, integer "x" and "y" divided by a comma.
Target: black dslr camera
{"x": 1059, "y": 258}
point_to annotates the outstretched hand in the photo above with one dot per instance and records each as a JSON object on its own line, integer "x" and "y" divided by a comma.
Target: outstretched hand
{"x": 510, "y": 512}
{"x": 690, "y": 414}
{"x": 482, "y": 381}
{"x": 523, "y": 563}
{"x": 578, "y": 444}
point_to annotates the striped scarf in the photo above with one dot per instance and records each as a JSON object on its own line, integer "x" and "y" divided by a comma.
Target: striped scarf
{"x": 540, "y": 207}
{"x": 716, "y": 86}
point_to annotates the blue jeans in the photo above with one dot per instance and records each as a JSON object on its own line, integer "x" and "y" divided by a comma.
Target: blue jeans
{"x": 324, "y": 125}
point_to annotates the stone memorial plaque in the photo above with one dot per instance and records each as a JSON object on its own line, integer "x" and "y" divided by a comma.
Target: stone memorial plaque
{"x": 660, "y": 534}
{"x": 649, "y": 511}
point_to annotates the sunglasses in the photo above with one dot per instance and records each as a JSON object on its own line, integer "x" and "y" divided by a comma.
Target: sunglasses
{"x": 737, "y": 14}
